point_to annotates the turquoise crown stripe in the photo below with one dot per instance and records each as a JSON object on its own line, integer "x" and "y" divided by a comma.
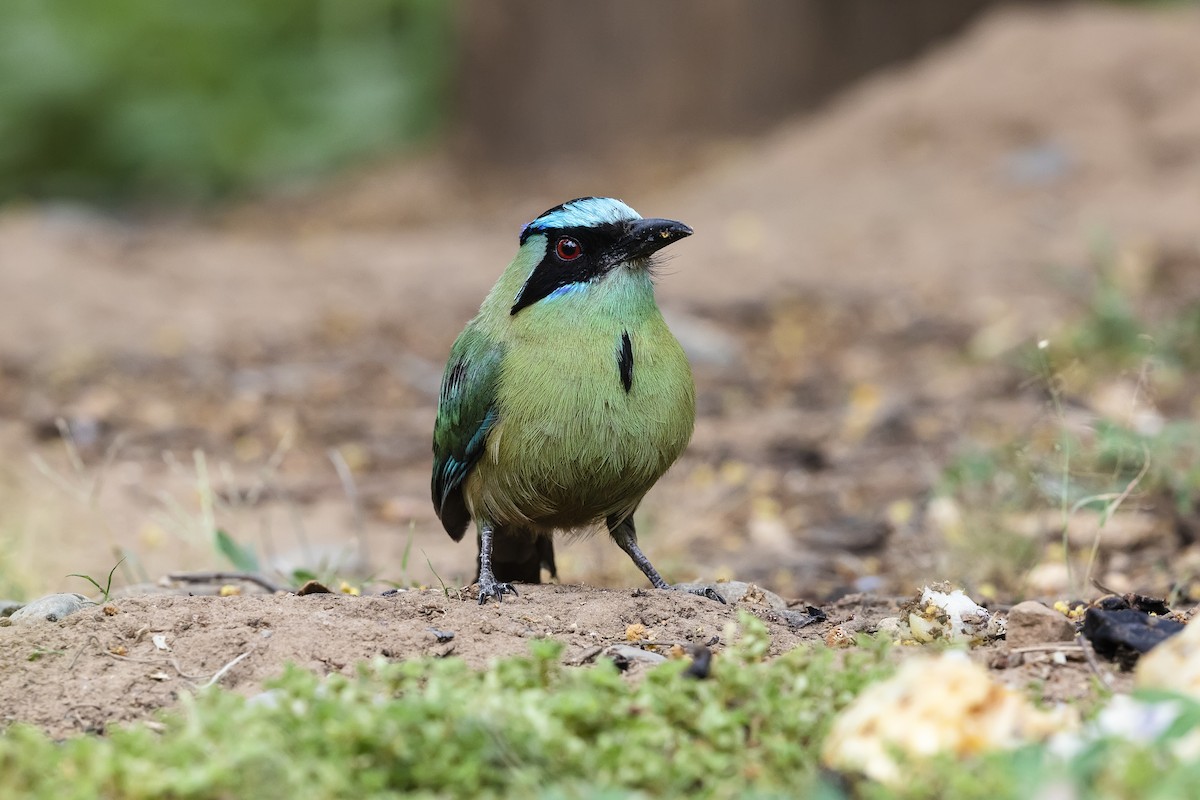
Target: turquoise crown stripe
{"x": 586, "y": 212}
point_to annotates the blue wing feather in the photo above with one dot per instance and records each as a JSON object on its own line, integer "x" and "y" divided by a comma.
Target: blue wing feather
{"x": 466, "y": 415}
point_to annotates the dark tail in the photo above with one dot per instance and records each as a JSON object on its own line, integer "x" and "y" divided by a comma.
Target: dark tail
{"x": 519, "y": 556}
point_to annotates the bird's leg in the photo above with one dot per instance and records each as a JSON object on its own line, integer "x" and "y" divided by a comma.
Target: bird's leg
{"x": 488, "y": 586}
{"x": 625, "y": 535}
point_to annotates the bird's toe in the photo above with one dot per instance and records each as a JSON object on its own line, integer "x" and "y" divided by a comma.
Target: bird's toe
{"x": 496, "y": 590}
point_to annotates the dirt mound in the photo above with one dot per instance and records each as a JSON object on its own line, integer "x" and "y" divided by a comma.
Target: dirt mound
{"x": 126, "y": 660}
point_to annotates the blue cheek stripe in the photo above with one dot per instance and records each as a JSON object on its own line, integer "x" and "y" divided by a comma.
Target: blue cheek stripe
{"x": 563, "y": 291}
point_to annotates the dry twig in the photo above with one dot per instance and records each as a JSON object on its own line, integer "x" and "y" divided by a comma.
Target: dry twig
{"x": 214, "y": 577}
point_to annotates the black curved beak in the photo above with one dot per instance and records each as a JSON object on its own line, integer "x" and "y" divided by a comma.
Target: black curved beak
{"x": 646, "y": 236}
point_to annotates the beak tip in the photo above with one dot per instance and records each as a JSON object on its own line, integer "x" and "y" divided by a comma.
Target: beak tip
{"x": 672, "y": 231}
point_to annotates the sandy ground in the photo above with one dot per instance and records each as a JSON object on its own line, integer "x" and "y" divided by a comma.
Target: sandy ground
{"x": 850, "y": 302}
{"x": 128, "y": 660}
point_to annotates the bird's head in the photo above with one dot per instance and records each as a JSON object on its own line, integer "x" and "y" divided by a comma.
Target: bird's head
{"x": 577, "y": 244}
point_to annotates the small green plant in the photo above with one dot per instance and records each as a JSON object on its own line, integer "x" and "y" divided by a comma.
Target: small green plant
{"x": 442, "y": 583}
{"x": 105, "y": 590}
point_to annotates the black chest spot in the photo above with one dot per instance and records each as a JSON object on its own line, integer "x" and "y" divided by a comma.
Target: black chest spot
{"x": 625, "y": 361}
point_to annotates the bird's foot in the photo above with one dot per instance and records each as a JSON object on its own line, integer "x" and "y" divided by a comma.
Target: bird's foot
{"x": 490, "y": 587}
{"x": 700, "y": 591}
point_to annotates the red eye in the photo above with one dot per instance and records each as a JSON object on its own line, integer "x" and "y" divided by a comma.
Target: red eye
{"x": 568, "y": 249}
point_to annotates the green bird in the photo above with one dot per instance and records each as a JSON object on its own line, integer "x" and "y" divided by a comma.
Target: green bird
{"x": 566, "y": 397}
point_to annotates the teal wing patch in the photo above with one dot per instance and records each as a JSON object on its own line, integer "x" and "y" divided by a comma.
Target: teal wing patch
{"x": 466, "y": 414}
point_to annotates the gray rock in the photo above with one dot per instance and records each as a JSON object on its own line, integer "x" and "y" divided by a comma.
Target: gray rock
{"x": 737, "y": 592}
{"x": 1031, "y": 623}
{"x": 51, "y": 608}
{"x": 624, "y": 655}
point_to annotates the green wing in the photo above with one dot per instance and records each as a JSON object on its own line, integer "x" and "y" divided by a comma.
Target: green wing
{"x": 466, "y": 414}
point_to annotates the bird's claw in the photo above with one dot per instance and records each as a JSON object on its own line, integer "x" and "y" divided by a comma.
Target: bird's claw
{"x": 497, "y": 590}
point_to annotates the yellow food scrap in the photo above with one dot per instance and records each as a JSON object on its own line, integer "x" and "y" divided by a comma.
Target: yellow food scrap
{"x": 947, "y": 704}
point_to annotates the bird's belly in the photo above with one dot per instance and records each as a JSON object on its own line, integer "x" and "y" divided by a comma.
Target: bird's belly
{"x": 570, "y": 451}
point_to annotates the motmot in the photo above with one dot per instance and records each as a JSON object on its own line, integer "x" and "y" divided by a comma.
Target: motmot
{"x": 565, "y": 398}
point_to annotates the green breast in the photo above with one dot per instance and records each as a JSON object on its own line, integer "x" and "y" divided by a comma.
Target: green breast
{"x": 574, "y": 444}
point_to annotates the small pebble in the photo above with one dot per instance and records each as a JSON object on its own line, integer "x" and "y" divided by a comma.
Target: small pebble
{"x": 441, "y": 636}
{"x": 1031, "y": 623}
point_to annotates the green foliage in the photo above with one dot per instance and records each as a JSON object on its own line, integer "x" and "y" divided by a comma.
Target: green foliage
{"x": 161, "y": 98}
{"x": 240, "y": 556}
{"x": 1118, "y": 330}
{"x": 438, "y": 728}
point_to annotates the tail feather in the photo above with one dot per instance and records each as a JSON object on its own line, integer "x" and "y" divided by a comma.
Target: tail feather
{"x": 519, "y": 556}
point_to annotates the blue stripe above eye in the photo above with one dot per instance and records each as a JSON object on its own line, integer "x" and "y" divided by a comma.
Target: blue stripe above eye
{"x": 587, "y": 212}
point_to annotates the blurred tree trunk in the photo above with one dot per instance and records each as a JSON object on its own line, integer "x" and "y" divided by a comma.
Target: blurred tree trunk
{"x": 557, "y": 77}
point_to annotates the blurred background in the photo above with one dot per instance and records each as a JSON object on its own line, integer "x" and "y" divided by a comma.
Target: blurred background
{"x": 943, "y": 301}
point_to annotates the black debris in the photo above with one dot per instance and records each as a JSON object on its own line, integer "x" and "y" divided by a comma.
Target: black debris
{"x": 1123, "y": 634}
